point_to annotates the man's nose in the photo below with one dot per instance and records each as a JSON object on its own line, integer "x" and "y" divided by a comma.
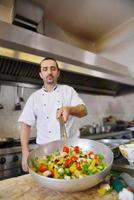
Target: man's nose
{"x": 49, "y": 71}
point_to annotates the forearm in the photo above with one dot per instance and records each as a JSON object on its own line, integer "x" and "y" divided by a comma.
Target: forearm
{"x": 25, "y": 134}
{"x": 78, "y": 111}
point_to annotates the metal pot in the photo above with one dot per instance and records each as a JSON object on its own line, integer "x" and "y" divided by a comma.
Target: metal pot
{"x": 72, "y": 185}
{"x": 92, "y": 130}
{"x": 98, "y": 129}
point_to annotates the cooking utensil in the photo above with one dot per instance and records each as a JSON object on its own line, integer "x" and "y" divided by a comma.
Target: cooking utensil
{"x": 71, "y": 185}
{"x": 98, "y": 129}
{"x": 22, "y": 94}
{"x": 63, "y": 132}
{"x": 17, "y": 105}
{"x": 1, "y": 106}
{"x": 92, "y": 130}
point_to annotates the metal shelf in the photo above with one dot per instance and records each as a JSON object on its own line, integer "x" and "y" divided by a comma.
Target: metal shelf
{"x": 117, "y": 134}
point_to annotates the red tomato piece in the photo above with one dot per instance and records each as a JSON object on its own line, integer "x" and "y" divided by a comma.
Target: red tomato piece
{"x": 42, "y": 168}
{"x": 74, "y": 158}
{"x": 78, "y": 166}
{"x": 68, "y": 162}
{"x": 66, "y": 149}
{"x": 76, "y": 149}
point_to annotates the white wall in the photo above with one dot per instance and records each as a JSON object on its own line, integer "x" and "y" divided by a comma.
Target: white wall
{"x": 122, "y": 53}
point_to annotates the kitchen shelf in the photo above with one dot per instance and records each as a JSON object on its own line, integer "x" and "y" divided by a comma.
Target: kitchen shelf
{"x": 117, "y": 134}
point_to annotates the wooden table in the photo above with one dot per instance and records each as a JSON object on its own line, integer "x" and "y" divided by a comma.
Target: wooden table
{"x": 25, "y": 188}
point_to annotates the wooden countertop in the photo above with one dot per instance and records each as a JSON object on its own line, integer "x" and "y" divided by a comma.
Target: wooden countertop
{"x": 25, "y": 188}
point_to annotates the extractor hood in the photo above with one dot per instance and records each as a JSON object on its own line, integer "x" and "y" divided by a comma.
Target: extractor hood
{"x": 21, "y": 51}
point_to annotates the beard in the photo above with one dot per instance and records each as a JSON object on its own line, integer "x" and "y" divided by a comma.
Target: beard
{"x": 50, "y": 79}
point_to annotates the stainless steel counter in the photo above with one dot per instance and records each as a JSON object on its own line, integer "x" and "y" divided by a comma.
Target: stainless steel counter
{"x": 126, "y": 134}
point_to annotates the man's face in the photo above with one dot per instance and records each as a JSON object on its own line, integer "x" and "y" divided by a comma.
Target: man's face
{"x": 49, "y": 72}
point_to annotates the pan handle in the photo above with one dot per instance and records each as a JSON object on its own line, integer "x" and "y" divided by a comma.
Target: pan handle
{"x": 63, "y": 132}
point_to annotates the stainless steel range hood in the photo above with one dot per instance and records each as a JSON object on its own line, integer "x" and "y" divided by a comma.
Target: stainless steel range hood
{"x": 82, "y": 69}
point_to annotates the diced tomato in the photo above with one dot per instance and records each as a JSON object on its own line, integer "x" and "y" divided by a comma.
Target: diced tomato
{"x": 66, "y": 149}
{"x": 76, "y": 149}
{"x": 68, "y": 162}
{"x": 74, "y": 158}
{"x": 42, "y": 168}
{"x": 78, "y": 166}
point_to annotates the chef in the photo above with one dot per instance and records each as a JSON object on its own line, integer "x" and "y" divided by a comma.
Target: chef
{"x": 45, "y": 106}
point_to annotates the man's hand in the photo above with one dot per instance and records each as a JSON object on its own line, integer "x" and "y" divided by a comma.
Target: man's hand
{"x": 64, "y": 112}
{"x": 77, "y": 111}
{"x": 24, "y": 162}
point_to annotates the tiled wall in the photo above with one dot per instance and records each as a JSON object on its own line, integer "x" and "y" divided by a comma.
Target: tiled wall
{"x": 98, "y": 107}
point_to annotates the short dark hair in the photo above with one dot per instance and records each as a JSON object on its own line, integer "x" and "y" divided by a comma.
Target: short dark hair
{"x": 48, "y": 58}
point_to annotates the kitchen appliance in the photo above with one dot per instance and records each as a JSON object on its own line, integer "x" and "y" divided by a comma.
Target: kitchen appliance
{"x": 89, "y": 72}
{"x": 10, "y": 157}
{"x": 121, "y": 164}
{"x": 114, "y": 144}
{"x": 6, "y": 142}
{"x": 127, "y": 150}
{"x": 73, "y": 184}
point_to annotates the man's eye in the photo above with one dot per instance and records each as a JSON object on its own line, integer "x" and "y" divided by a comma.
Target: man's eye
{"x": 44, "y": 69}
{"x": 53, "y": 68}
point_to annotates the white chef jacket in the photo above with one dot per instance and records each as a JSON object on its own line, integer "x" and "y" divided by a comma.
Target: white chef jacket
{"x": 41, "y": 109}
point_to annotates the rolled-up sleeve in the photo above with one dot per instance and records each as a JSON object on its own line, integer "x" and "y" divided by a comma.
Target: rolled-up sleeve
{"x": 28, "y": 115}
{"x": 75, "y": 99}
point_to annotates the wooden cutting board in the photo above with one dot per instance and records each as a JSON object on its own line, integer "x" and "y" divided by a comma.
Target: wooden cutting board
{"x": 25, "y": 188}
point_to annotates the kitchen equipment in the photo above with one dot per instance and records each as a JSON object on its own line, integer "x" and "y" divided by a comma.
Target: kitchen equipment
{"x": 92, "y": 129}
{"x": 10, "y": 157}
{"x": 127, "y": 150}
{"x": 73, "y": 184}
{"x": 21, "y": 99}
{"x": 1, "y": 106}
{"x": 84, "y": 130}
{"x": 114, "y": 144}
{"x": 121, "y": 164}
{"x": 63, "y": 132}
{"x": 6, "y": 142}
{"x": 17, "y": 105}
{"x": 98, "y": 129}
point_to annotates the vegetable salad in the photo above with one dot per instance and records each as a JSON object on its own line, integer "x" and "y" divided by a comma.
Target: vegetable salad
{"x": 69, "y": 163}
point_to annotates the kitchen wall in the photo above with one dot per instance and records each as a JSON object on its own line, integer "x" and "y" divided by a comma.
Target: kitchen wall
{"x": 118, "y": 45}
{"x": 98, "y": 107}
{"x": 9, "y": 127}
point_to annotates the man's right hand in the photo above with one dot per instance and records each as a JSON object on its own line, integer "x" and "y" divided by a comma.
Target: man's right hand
{"x": 24, "y": 162}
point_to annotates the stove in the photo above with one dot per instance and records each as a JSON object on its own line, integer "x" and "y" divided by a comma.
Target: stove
{"x": 10, "y": 160}
{"x": 122, "y": 165}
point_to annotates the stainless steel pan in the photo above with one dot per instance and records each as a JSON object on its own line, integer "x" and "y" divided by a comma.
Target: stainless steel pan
{"x": 74, "y": 184}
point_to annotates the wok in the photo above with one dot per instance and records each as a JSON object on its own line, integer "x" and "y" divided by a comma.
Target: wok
{"x": 72, "y": 185}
